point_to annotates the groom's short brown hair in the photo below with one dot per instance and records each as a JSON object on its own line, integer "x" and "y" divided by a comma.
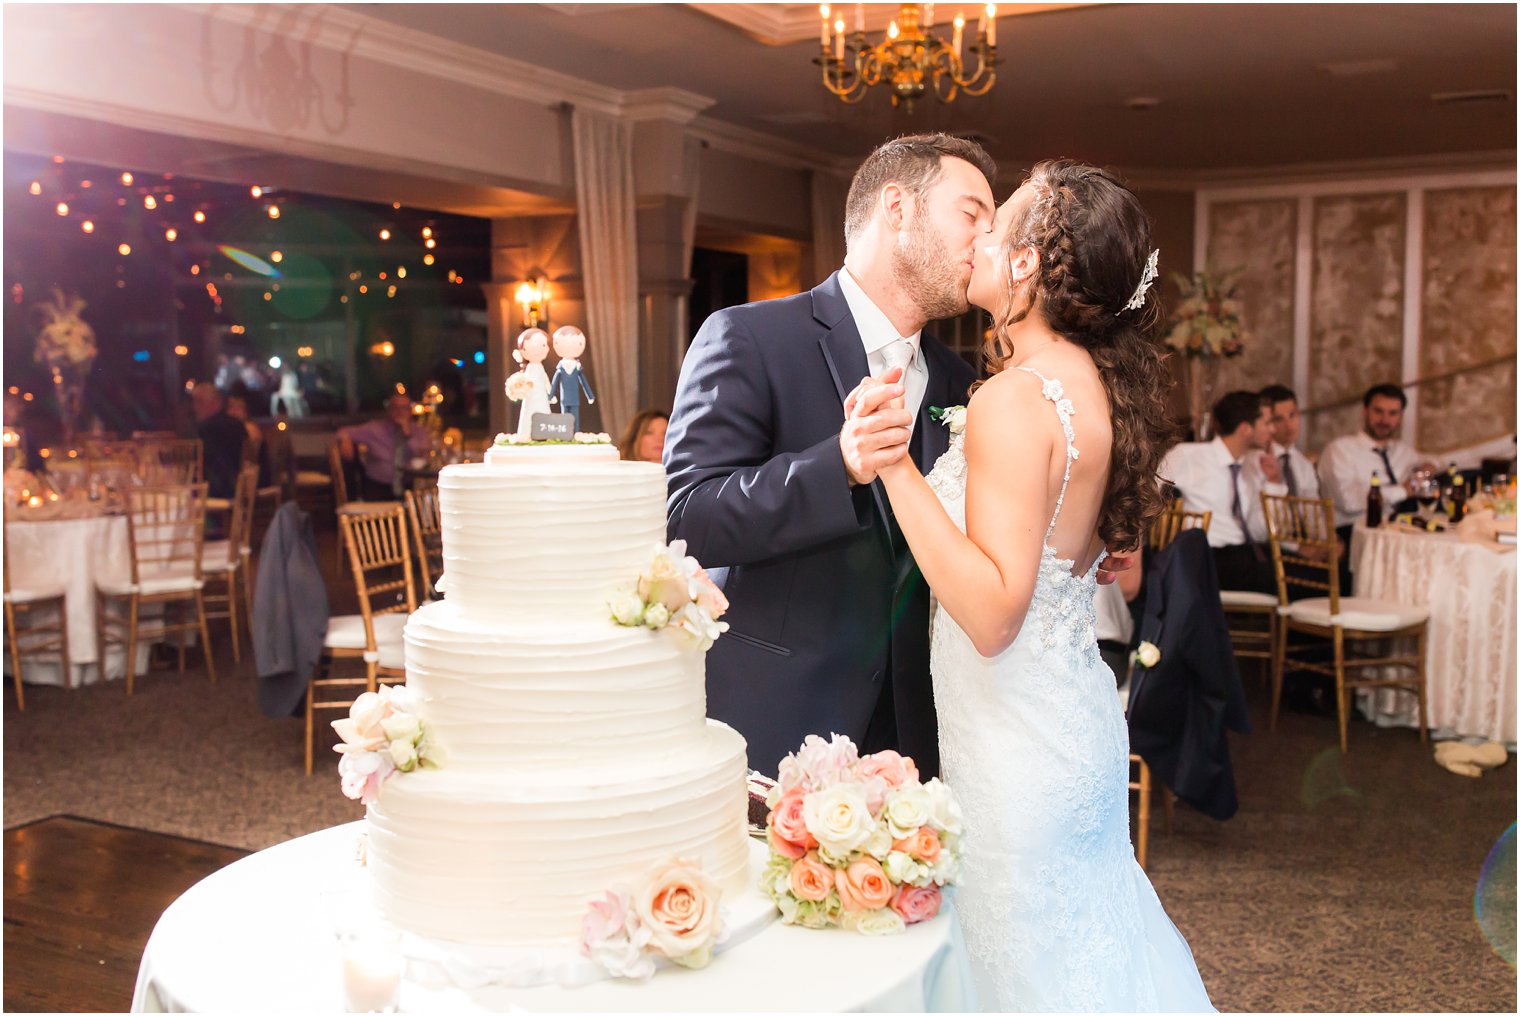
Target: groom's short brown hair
{"x": 911, "y": 161}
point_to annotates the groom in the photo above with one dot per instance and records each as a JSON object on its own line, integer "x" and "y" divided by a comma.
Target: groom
{"x": 775, "y": 491}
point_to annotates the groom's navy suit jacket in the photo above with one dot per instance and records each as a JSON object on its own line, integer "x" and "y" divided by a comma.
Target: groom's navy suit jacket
{"x": 827, "y": 610}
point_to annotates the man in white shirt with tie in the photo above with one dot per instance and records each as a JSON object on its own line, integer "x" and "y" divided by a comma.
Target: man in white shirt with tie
{"x": 1299, "y": 476}
{"x": 1226, "y": 476}
{"x": 1347, "y": 464}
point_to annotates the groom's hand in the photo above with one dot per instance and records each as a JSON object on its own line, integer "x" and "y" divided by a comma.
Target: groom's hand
{"x": 875, "y": 432}
{"x": 1115, "y": 563}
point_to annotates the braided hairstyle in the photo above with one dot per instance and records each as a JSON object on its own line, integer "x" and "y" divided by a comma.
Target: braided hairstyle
{"x": 1094, "y": 241}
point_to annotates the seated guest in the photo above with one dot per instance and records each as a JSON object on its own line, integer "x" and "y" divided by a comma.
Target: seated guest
{"x": 253, "y": 448}
{"x": 1298, "y": 472}
{"x": 644, "y": 439}
{"x": 1347, "y": 464}
{"x": 1226, "y": 476}
{"x": 222, "y": 439}
{"x": 389, "y": 441}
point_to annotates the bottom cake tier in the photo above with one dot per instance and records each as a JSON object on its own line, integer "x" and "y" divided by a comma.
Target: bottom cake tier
{"x": 475, "y": 857}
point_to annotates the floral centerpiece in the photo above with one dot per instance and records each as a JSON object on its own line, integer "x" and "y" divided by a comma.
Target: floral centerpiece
{"x": 1206, "y": 327}
{"x": 858, "y": 841}
{"x": 673, "y": 913}
{"x": 674, "y": 594}
{"x": 66, "y": 347}
{"x": 382, "y": 735}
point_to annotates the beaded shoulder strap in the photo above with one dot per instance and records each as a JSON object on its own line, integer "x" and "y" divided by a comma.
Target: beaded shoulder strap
{"x": 1056, "y": 393}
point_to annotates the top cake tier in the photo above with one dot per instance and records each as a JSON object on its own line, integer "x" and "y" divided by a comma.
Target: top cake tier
{"x": 547, "y": 541}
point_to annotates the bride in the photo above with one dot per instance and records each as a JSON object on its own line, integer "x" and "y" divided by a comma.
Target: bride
{"x": 1057, "y": 459}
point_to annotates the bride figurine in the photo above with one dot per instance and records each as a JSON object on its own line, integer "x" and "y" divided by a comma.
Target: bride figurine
{"x": 530, "y": 385}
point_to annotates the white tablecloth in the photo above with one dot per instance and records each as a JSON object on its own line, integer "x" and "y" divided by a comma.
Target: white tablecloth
{"x": 73, "y": 554}
{"x": 1470, "y": 654}
{"x": 254, "y": 937}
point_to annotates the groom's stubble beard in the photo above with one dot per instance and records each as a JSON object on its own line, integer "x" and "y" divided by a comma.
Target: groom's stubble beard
{"x": 927, "y": 274}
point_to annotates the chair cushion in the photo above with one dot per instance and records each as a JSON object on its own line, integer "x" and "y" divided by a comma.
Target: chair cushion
{"x": 17, "y": 595}
{"x": 346, "y": 631}
{"x": 1245, "y": 598}
{"x": 1361, "y": 613}
{"x": 393, "y": 655}
{"x": 154, "y": 580}
{"x": 312, "y": 478}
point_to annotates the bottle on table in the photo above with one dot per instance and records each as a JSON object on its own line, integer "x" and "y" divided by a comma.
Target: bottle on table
{"x": 1375, "y": 502}
{"x": 1458, "y": 507}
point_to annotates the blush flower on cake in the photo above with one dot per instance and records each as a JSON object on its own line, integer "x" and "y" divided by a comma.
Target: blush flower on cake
{"x": 673, "y": 593}
{"x": 858, "y": 842}
{"x": 382, "y": 735}
{"x": 674, "y": 912}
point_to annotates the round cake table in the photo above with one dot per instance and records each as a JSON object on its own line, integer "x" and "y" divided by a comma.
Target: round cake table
{"x": 256, "y": 936}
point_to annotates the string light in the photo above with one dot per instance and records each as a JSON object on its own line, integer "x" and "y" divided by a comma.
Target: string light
{"x": 200, "y": 216}
{"x": 428, "y": 259}
{"x": 268, "y": 296}
{"x": 274, "y": 211}
{"x": 276, "y": 256}
{"x": 401, "y": 272}
{"x": 168, "y": 197}
{"x": 195, "y": 269}
{"x": 181, "y": 350}
{"x": 363, "y": 289}
{"x": 150, "y": 202}
{"x": 385, "y": 234}
{"x": 58, "y": 159}
{"x": 85, "y": 184}
{"x": 396, "y": 205}
{"x": 391, "y": 292}
{"x": 256, "y": 191}
{"x": 430, "y": 243}
{"x": 124, "y": 249}
{"x": 382, "y": 276}
{"x": 171, "y": 234}
{"x": 35, "y": 188}
{"x": 87, "y": 226}
{"x": 126, "y": 179}
{"x": 427, "y": 232}
{"x": 62, "y": 209}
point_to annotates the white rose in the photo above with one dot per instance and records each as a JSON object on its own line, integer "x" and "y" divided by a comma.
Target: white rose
{"x": 880, "y": 843}
{"x": 404, "y": 755}
{"x": 946, "y": 869}
{"x": 402, "y": 727}
{"x": 882, "y": 921}
{"x": 902, "y": 869}
{"x": 907, "y": 808}
{"x": 1147, "y": 655}
{"x": 656, "y": 616}
{"x": 838, "y": 818}
{"x": 944, "y": 813}
{"x": 957, "y": 419}
{"x": 627, "y": 608}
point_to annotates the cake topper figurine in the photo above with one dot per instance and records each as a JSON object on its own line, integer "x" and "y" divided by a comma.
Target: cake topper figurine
{"x": 530, "y": 385}
{"x": 569, "y": 377}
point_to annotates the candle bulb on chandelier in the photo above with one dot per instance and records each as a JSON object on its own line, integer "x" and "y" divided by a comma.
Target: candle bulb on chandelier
{"x": 960, "y": 28}
{"x": 823, "y": 28}
{"x": 839, "y": 39}
{"x": 928, "y": 15}
{"x": 892, "y": 29}
{"x": 860, "y": 17}
{"x": 992, "y": 24}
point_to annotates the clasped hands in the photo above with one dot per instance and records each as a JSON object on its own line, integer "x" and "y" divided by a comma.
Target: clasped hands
{"x": 874, "y": 438}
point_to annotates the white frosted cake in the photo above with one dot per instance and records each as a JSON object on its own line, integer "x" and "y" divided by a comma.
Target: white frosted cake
{"x": 576, "y": 752}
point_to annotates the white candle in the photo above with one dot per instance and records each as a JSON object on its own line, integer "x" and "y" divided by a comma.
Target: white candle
{"x": 960, "y": 27}
{"x": 992, "y": 24}
{"x": 860, "y": 17}
{"x": 928, "y": 15}
{"x": 839, "y": 39}
{"x": 823, "y": 29}
{"x": 371, "y": 975}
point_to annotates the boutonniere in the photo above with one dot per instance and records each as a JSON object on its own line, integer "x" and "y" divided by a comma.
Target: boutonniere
{"x": 953, "y": 417}
{"x": 1147, "y": 656}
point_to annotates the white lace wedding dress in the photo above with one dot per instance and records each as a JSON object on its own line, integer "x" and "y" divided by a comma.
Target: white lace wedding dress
{"x": 1057, "y": 913}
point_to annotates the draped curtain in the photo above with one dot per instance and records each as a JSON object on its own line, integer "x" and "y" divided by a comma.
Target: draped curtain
{"x": 604, "y": 194}
{"x": 829, "y": 193}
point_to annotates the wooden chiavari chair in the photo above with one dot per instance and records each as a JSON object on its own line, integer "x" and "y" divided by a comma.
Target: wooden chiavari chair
{"x": 169, "y": 462}
{"x": 1306, "y": 554}
{"x": 379, "y": 554}
{"x": 422, "y": 512}
{"x": 47, "y": 637}
{"x": 1173, "y": 520}
{"x": 225, "y": 564}
{"x": 166, "y": 530}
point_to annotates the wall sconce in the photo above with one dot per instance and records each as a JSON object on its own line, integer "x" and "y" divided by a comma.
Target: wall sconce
{"x": 533, "y": 296}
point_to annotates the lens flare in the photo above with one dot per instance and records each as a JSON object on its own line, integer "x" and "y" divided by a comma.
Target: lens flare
{"x": 252, "y": 262}
{"x": 1325, "y": 780}
{"x": 1494, "y": 900}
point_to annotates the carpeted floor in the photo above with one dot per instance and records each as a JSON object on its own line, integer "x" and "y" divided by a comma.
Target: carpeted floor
{"x": 1342, "y": 884}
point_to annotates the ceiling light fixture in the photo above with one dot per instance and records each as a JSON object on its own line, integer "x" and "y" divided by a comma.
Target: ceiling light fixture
{"x": 912, "y": 60}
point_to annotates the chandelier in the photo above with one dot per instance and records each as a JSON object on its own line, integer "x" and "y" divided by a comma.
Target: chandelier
{"x": 912, "y": 60}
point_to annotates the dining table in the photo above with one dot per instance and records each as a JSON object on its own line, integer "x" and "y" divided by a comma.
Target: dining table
{"x": 71, "y": 553}
{"x": 1468, "y": 584}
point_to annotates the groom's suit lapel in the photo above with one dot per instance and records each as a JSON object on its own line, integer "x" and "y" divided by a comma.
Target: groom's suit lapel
{"x": 845, "y": 355}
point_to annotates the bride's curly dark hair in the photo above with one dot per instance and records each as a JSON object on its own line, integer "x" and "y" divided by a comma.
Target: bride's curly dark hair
{"x": 1094, "y": 241}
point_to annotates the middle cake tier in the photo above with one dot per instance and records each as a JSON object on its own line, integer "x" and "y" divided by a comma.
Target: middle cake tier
{"x": 529, "y": 698}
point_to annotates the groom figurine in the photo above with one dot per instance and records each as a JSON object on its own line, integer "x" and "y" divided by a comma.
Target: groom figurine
{"x": 569, "y": 379}
{"x": 775, "y": 492}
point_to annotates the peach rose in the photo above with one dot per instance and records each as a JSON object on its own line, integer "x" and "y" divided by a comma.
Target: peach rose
{"x": 811, "y": 879}
{"x": 679, "y": 906}
{"x": 788, "y": 822}
{"x": 895, "y": 769}
{"x": 791, "y": 851}
{"x": 863, "y": 885}
{"x": 916, "y": 905}
{"x": 923, "y": 845}
{"x": 708, "y": 596}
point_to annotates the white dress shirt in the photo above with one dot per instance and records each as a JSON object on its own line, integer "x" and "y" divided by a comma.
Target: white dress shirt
{"x": 876, "y": 334}
{"x": 1305, "y": 479}
{"x": 1345, "y": 472}
{"x": 1201, "y": 470}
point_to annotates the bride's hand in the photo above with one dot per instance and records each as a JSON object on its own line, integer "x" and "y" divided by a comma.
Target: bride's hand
{"x": 876, "y": 427}
{"x": 1116, "y": 562}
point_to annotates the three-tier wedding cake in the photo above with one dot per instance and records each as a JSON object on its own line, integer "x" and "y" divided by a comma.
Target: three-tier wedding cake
{"x": 572, "y": 746}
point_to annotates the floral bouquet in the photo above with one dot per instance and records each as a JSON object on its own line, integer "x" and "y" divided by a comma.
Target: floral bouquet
{"x": 858, "y": 842}
{"x": 673, "y": 913}
{"x": 382, "y": 735}
{"x": 674, "y": 592}
{"x": 519, "y": 386}
{"x": 1207, "y": 323}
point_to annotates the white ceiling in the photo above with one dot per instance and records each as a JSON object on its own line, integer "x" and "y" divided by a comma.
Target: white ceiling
{"x": 1240, "y": 87}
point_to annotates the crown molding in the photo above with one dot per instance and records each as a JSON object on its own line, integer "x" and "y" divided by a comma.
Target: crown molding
{"x": 759, "y": 146}
{"x": 673, "y": 104}
{"x": 785, "y": 24}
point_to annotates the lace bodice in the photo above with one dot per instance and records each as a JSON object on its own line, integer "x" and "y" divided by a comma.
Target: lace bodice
{"x": 1033, "y": 741}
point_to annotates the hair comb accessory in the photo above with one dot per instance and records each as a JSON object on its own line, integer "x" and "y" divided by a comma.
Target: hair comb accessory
{"x": 1146, "y": 278}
